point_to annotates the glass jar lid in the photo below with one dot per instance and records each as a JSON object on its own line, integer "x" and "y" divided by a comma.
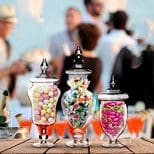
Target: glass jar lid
{"x": 44, "y": 77}
{"x": 113, "y": 93}
{"x": 78, "y": 67}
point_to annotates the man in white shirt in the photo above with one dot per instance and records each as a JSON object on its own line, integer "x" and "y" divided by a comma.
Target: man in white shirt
{"x": 111, "y": 44}
{"x": 7, "y": 20}
{"x": 64, "y": 42}
{"x": 93, "y": 14}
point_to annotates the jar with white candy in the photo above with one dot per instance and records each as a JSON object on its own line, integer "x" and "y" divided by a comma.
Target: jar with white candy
{"x": 113, "y": 114}
{"x": 43, "y": 96}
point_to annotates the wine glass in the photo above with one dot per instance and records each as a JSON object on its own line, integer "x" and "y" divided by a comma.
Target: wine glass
{"x": 135, "y": 124}
{"x": 26, "y": 123}
{"x": 96, "y": 125}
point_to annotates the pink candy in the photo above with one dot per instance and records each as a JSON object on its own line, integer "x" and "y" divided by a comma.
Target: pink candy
{"x": 47, "y": 115}
{"x": 112, "y": 117}
{"x": 37, "y": 117}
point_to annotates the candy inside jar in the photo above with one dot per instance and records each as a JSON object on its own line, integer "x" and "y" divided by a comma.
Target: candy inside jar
{"x": 77, "y": 102}
{"x": 44, "y": 106}
{"x": 112, "y": 117}
{"x": 113, "y": 114}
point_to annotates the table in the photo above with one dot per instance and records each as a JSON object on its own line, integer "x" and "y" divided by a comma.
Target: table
{"x": 25, "y": 146}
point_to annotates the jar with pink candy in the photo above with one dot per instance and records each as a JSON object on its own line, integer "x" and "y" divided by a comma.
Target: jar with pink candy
{"x": 113, "y": 114}
{"x": 43, "y": 96}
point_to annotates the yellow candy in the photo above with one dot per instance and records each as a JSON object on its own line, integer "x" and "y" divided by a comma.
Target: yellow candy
{"x": 36, "y": 95}
{"x": 49, "y": 110}
{"x": 43, "y": 119}
{"x": 36, "y": 90}
{"x": 46, "y": 90}
{"x": 43, "y": 112}
{"x": 52, "y": 114}
{"x": 36, "y": 100}
{"x": 51, "y": 100}
{"x": 45, "y": 107}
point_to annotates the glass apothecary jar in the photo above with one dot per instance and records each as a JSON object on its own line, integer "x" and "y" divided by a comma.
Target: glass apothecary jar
{"x": 113, "y": 114}
{"x": 77, "y": 101}
{"x": 43, "y": 96}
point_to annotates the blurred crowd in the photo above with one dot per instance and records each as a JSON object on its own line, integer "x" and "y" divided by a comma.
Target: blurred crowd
{"x": 109, "y": 49}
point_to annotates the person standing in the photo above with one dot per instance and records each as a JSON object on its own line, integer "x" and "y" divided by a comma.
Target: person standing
{"x": 93, "y": 14}
{"x": 110, "y": 45}
{"x": 88, "y": 36}
{"x": 8, "y": 72}
{"x": 64, "y": 42}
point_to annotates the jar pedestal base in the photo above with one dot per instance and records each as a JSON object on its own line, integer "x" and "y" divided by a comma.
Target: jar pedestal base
{"x": 43, "y": 145}
{"x": 109, "y": 145}
{"x": 82, "y": 144}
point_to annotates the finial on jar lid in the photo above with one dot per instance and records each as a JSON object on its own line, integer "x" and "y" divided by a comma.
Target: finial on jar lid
{"x": 113, "y": 82}
{"x": 44, "y": 68}
{"x": 78, "y": 61}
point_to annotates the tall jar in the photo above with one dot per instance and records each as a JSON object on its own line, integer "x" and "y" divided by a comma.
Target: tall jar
{"x": 43, "y": 96}
{"x": 113, "y": 114}
{"x": 77, "y": 101}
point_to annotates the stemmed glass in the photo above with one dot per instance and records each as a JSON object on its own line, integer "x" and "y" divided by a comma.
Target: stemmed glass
{"x": 135, "y": 124}
{"x": 96, "y": 125}
{"x": 60, "y": 125}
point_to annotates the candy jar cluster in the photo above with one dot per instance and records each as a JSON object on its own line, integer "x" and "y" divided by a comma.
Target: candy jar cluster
{"x": 77, "y": 101}
{"x": 43, "y": 96}
{"x": 113, "y": 114}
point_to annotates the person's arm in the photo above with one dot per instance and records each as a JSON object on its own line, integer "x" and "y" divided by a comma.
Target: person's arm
{"x": 5, "y": 72}
{"x": 16, "y": 68}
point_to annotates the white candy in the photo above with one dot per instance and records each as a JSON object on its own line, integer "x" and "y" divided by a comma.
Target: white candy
{"x": 51, "y": 93}
{"x": 46, "y": 101}
{"x": 37, "y": 112}
{"x": 50, "y": 105}
{"x": 40, "y": 104}
{"x": 51, "y": 120}
{"x": 41, "y": 90}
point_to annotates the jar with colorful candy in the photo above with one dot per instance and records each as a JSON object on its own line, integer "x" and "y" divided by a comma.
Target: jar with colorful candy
{"x": 113, "y": 114}
{"x": 77, "y": 102}
{"x": 43, "y": 96}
